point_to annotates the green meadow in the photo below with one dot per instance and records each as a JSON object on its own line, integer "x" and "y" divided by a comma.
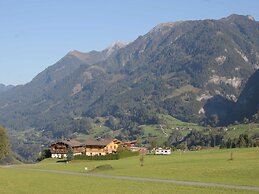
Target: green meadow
{"x": 31, "y": 182}
{"x": 208, "y": 166}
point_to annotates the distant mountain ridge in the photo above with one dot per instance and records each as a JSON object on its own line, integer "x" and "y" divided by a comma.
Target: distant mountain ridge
{"x": 72, "y": 61}
{"x": 4, "y": 88}
{"x": 177, "y": 68}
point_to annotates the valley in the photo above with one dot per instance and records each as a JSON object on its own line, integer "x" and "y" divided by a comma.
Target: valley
{"x": 132, "y": 97}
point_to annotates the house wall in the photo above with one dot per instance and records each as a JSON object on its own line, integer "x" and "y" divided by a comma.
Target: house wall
{"x": 78, "y": 150}
{"x": 92, "y": 151}
{"x": 111, "y": 147}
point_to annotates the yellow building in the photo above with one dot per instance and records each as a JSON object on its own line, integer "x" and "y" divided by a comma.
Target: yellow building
{"x": 100, "y": 146}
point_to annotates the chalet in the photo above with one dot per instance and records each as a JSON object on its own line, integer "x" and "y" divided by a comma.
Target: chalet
{"x": 100, "y": 146}
{"x": 59, "y": 148}
{"x": 90, "y": 147}
{"x": 162, "y": 151}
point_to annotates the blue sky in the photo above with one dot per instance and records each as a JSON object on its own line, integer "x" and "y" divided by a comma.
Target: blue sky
{"x": 35, "y": 34}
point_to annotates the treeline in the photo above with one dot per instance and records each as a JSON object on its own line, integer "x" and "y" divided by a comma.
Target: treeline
{"x": 214, "y": 138}
{"x": 243, "y": 141}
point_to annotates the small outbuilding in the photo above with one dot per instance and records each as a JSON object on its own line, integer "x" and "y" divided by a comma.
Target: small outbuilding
{"x": 162, "y": 151}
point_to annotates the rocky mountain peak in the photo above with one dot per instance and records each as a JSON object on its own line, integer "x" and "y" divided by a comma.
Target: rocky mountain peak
{"x": 164, "y": 27}
{"x": 78, "y": 54}
{"x": 114, "y": 47}
{"x": 235, "y": 17}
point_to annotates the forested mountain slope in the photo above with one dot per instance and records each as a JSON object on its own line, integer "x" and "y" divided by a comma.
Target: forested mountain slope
{"x": 181, "y": 68}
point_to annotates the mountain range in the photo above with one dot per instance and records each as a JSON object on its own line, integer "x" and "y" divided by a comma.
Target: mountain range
{"x": 193, "y": 70}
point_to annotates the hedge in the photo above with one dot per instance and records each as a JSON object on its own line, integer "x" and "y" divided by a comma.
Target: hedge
{"x": 97, "y": 157}
{"x": 119, "y": 155}
{"x": 127, "y": 153}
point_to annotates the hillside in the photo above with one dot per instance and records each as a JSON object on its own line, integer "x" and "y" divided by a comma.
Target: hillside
{"x": 173, "y": 69}
{"x": 47, "y": 89}
{"x": 248, "y": 101}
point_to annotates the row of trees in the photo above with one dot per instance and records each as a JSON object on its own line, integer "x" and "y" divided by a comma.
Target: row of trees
{"x": 243, "y": 141}
{"x": 214, "y": 138}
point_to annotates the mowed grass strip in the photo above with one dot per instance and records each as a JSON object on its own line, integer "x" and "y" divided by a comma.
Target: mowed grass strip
{"x": 208, "y": 166}
{"x": 18, "y": 181}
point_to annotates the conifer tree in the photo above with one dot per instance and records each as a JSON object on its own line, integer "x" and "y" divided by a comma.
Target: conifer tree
{"x": 70, "y": 154}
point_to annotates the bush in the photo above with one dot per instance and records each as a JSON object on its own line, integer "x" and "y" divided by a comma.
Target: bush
{"x": 44, "y": 154}
{"x": 101, "y": 168}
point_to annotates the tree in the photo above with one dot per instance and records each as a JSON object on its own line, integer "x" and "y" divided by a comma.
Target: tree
{"x": 4, "y": 143}
{"x": 44, "y": 154}
{"x": 174, "y": 138}
{"x": 70, "y": 154}
{"x": 229, "y": 143}
{"x": 246, "y": 120}
{"x": 112, "y": 123}
{"x": 255, "y": 117}
{"x": 242, "y": 141}
{"x": 182, "y": 146}
{"x": 231, "y": 156}
{"x": 141, "y": 159}
{"x": 214, "y": 120}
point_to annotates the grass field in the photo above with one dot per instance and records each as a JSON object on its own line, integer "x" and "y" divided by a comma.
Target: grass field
{"x": 30, "y": 182}
{"x": 209, "y": 166}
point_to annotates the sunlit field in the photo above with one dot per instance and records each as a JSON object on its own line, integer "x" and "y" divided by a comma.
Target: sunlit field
{"x": 208, "y": 166}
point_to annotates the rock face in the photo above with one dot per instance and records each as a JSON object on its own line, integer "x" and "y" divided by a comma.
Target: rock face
{"x": 182, "y": 68}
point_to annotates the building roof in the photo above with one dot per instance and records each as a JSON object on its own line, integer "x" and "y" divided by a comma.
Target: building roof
{"x": 88, "y": 142}
{"x": 97, "y": 142}
{"x": 129, "y": 143}
{"x": 71, "y": 142}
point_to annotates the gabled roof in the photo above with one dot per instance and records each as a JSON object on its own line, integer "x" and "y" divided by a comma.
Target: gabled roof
{"x": 72, "y": 143}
